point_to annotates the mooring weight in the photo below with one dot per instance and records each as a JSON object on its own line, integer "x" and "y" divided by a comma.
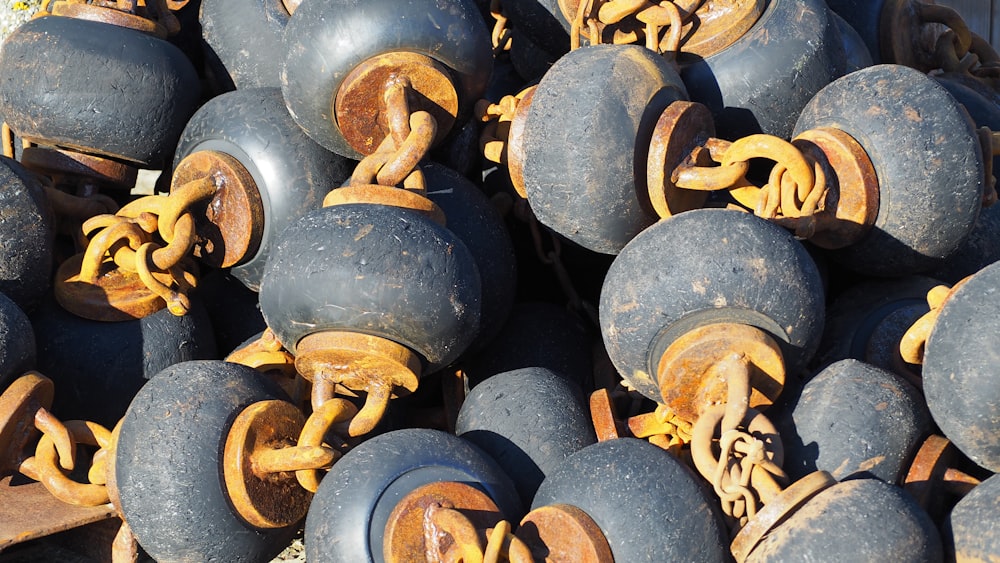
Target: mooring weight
{"x": 242, "y": 42}
{"x": 243, "y": 170}
{"x": 17, "y": 344}
{"x": 958, "y": 384}
{"x": 853, "y": 420}
{"x": 939, "y": 476}
{"x": 968, "y": 532}
{"x": 644, "y": 504}
{"x": 792, "y": 51}
{"x": 333, "y": 88}
{"x": 830, "y": 524}
{"x": 177, "y": 476}
{"x": 915, "y": 227}
{"x": 529, "y": 420}
{"x": 705, "y": 284}
{"x": 369, "y": 297}
{"x": 122, "y": 93}
{"x": 374, "y": 502}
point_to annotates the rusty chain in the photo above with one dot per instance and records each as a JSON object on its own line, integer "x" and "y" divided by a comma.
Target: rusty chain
{"x": 914, "y": 340}
{"x": 501, "y": 34}
{"x": 497, "y": 117}
{"x": 795, "y": 190}
{"x": 442, "y": 523}
{"x": 55, "y": 453}
{"x": 151, "y": 237}
{"x": 630, "y": 21}
{"x": 744, "y": 473}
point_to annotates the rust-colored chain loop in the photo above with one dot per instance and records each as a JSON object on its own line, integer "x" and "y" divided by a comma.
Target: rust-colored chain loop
{"x": 497, "y": 117}
{"x": 46, "y": 468}
{"x": 9, "y": 142}
{"x": 443, "y": 523}
{"x": 914, "y": 340}
{"x": 501, "y": 33}
{"x": 331, "y": 414}
{"x": 623, "y": 19}
{"x": 127, "y": 238}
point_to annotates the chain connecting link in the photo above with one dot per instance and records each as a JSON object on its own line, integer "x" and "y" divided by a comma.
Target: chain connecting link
{"x": 501, "y": 33}
{"x": 497, "y": 117}
{"x": 444, "y": 522}
{"x": 629, "y": 21}
{"x": 795, "y": 191}
{"x": 128, "y": 239}
{"x": 958, "y": 49}
{"x": 744, "y": 473}
{"x": 55, "y": 453}
{"x": 914, "y": 340}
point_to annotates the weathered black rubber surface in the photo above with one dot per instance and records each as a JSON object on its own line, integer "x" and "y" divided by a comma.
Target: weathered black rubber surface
{"x": 530, "y": 60}
{"x": 961, "y": 367}
{"x": 926, "y": 157}
{"x": 537, "y": 334}
{"x": 348, "y": 514}
{"x": 94, "y": 86}
{"x": 246, "y": 39}
{"x": 27, "y": 235}
{"x": 853, "y": 420}
{"x": 542, "y": 22}
{"x": 17, "y": 342}
{"x": 291, "y": 171}
{"x": 761, "y": 82}
{"x": 979, "y": 250}
{"x": 867, "y": 321}
{"x": 585, "y": 142}
{"x": 856, "y": 54}
{"x": 969, "y": 531}
{"x": 169, "y": 465}
{"x": 856, "y": 520}
{"x": 98, "y": 367}
{"x": 649, "y": 505}
{"x": 472, "y": 217}
{"x": 702, "y": 267}
{"x": 864, "y": 17}
{"x": 233, "y": 309}
{"x": 528, "y": 420}
{"x": 374, "y": 269}
{"x": 317, "y": 57}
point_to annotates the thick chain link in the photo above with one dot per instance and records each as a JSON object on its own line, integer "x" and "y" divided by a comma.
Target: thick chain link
{"x": 501, "y": 32}
{"x": 958, "y": 49}
{"x": 443, "y": 522}
{"x": 597, "y": 17}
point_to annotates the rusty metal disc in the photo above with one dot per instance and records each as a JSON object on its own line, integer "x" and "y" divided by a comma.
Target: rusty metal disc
{"x": 269, "y": 500}
{"x": 684, "y": 367}
{"x": 116, "y": 296}
{"x": 385, "y": 195}
{"x": 109, "y": 16}
{"x": 58, "y": 162}
{"x": 18, "y": 405}
{"x": 354, "y": 359}
{"x": 776, "y": 511}
{"x": 515, "y": 146}
{"x": 853, "y": 191}
{"x": 403, "y": 539}
{"x": 561, "y": 532}
{"x": 359, "y": 107}
{"x": 230, "y": 225}
{"x": 681, "y": 128}
{"x": 718, "y": 24}
{"x": 903, "y": 37}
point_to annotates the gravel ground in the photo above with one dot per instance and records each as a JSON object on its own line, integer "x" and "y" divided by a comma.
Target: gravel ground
{"x": 12, "y": 14}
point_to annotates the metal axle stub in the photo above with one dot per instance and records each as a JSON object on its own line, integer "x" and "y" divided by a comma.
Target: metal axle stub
{"x": 852, "y": 199}
{"x": 404, "y": 535}
{"x": 776, "y": 511}
{"x": 230, "y": 225}
{"x": 18, "y": 405}
{"x": 264, "y": 499}
{"x": 685, "y": 368}
{"x": 115, "y": 296}
{"x": 359, "y": 107}
{"x": 59, "y": 162}
{"x": 385, "y": 195}
{"x": 561, "y": 532}
{"x": 682, "y": 129}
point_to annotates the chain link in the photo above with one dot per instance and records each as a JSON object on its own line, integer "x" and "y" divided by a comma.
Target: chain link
{"x": 958, "y": 49}
{"x": 443, "y": 522}
{"x": 623, "y": 18}
{"x": 501, "y": 33}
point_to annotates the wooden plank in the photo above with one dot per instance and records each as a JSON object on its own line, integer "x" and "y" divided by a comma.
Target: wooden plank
{"x": 28, "y": 511}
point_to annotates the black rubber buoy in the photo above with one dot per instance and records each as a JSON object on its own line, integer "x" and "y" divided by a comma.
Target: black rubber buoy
{"x": 169, "y": 465}
{"x": 529, "y": 420}
{"x": 970, "y": 530}
{"x": 649, "y": 505}
{"x": 853, "y": 420}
